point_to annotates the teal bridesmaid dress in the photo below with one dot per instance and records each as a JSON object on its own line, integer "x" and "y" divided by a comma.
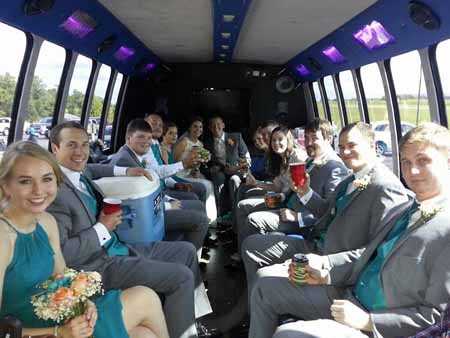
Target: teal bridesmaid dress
{"x": 32, "y": 264}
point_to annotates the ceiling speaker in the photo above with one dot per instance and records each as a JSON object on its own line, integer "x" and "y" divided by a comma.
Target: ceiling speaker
{"x": 36, "y": 7}
{"x": 285, "y": 84}
{"x": 422, "y": 15}
{"x": 106, "y": 44}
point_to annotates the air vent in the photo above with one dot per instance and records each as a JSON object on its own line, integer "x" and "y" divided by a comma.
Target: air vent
{"x": 106, "y": 44}
{"x": 314, "y": 64}
{"x": 422, "y": 15}
{"x": 36, "y": 7}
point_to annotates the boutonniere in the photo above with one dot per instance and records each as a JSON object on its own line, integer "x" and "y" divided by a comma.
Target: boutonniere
{"x": 231, "y": 142}
{"x": 428, "y": 212}
{"x": 362, "y": 183}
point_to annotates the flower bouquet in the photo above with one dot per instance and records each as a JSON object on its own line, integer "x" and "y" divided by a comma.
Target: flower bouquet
{"x": 204, "y": 155}
{"x": 64, "y": 296}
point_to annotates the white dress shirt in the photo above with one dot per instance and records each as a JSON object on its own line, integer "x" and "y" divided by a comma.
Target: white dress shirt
{"x": 164, "y": 171}
{"x": 74, "y": 177}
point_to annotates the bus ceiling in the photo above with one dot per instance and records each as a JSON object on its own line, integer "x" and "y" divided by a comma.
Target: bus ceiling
{"x": 136, "y": 36}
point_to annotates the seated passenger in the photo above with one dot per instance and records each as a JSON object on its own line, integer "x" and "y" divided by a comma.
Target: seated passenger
{"x": 155, "y": 162}
{"x": 89, "y": 242}
{"x": 282, "y": 152}
{"x": 398, "y": 286}
{"x": 186, "y": 216}
{"x": 325, "y": 169}
{"x": 357, "y": 210}
{"x": 226, "y": 151}
{"x": 182, "y": 150}
{"x": 31, "y": 253}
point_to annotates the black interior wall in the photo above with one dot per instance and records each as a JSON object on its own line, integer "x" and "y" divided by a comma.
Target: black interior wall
{"x": 143, "y": 95}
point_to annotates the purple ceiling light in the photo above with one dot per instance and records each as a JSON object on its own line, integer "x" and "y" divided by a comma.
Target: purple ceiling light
{"x": 124, "y": 53}
{"x": 333, "y": 54}
{"x": 303, "y": 71}
{"x": 373, "y": 36}
{"x": 79, "y": 24}
{"x": 149, "y": 67}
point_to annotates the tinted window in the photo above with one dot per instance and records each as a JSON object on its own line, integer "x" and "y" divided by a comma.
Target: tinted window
{"x": 349, "y": 91}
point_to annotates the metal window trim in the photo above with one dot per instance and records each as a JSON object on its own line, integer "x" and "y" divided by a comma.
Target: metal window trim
{"x": 24, "y": 95}
{"x": 364, "y": 111}
{"x": 310, "y": 111}
{"x": 341, "y": 100}
{"x": 324, "y": 95}
{"x": 313, "y": 100}
{"x": 440, "y": 97}
{"x": 29, "y": 42}
{"x": 63, "y": 87}
{"x": 89, "y": 96}
{"x": 358, "y": 94}
{"x": 393, "y": 111}
{"x": 118, "y": 114}
{"x": 106, "y": 103}
{"x": 429, "y": 84}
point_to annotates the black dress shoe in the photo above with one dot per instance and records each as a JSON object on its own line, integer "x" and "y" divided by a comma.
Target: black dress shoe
{"x": 234, "y": 266}
{"x": 210, "y": 243}
{"x": 204, "y": 332}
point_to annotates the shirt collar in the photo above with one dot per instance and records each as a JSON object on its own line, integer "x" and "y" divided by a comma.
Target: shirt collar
{"x": 323, "y": 158}
{"x": 222, "y": 138}
{"x": 73, "y": 176}
{"x": 363, "y": 172}
{"x": 440, "y": 199}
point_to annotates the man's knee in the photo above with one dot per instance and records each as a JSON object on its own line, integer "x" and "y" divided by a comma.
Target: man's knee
{"x": 250, "y": 244}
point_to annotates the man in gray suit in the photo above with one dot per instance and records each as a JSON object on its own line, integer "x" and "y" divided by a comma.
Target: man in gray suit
{"x": 349, "y": 219}
{"x": 187, "y": 217}
{"x": 398, "y": 286}
{"x": 223, "y": 168}
{"x": 89, "y": 243}
{"x": 326, "y": 170}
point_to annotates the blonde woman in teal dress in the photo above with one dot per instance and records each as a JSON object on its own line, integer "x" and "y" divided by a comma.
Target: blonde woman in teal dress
{"x": 30, "y": 254}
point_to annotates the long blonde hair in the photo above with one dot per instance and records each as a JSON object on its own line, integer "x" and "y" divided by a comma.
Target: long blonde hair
{"x": 20, "y": 149}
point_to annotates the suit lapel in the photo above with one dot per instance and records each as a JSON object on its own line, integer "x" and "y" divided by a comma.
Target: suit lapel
{"x": 132, "y": 154}
{"x": 77, "y": 193}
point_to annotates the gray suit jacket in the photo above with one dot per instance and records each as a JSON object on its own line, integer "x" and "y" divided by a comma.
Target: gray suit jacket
{"x": 415, "y": 275}
{"x": 323, "y": 181}
{"x": 79, "y": 241}
{"x": 235, "y": 148}
{"x": 365, "y": 215}
{"x": 125, "y": 157}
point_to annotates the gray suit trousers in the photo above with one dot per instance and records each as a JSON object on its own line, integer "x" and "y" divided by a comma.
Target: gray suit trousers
{"x": 190, "y": 221}
{"x": 264, "y": 250}
{"x": 274, "y": 295}
{"x": 171, "y": 269}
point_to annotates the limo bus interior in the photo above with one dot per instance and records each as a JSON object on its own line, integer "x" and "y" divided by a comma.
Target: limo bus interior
{"x": 105, "y": 62}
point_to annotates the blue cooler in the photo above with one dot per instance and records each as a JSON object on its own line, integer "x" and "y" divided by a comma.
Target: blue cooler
{"x": 142, "y": 206}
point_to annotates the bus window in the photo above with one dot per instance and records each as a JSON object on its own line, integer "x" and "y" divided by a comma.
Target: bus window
{"x": 378, "y": 114}
{"x": 349, "y": 91}
{"x": 45, "y": 83}
{"x": 319, "y": 101}
{"x": 442, "y": 57}
{"x": 333, "y": 103}
{"x": 410, "y": 88}
{"x": 77, "y": 89}
{"x": 97, "y": 101}
{"x": 112, "y": 110}
{"x": 10, "y": 63}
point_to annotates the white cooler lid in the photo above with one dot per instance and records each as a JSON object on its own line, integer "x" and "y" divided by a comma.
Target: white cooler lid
{"x": 125, "y": 187}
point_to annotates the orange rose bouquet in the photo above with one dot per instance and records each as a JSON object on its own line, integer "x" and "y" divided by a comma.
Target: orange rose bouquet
{"x": 64, "y": 296}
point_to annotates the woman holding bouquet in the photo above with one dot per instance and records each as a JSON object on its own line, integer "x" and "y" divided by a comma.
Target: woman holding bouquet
{"x": 31, "y": 254}
{"x": 181, "y": 150}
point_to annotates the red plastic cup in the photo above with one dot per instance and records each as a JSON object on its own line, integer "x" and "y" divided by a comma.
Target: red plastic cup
{"x": 298, "y": 173}
{"x": 111, "y": 205}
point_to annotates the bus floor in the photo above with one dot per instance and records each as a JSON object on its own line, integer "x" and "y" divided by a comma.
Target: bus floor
{"x": 227, "y": 291}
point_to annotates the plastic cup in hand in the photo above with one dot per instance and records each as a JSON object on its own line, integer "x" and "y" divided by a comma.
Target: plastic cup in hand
{"x": 298, "y": 173}
{"x": 111, "y": 205}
